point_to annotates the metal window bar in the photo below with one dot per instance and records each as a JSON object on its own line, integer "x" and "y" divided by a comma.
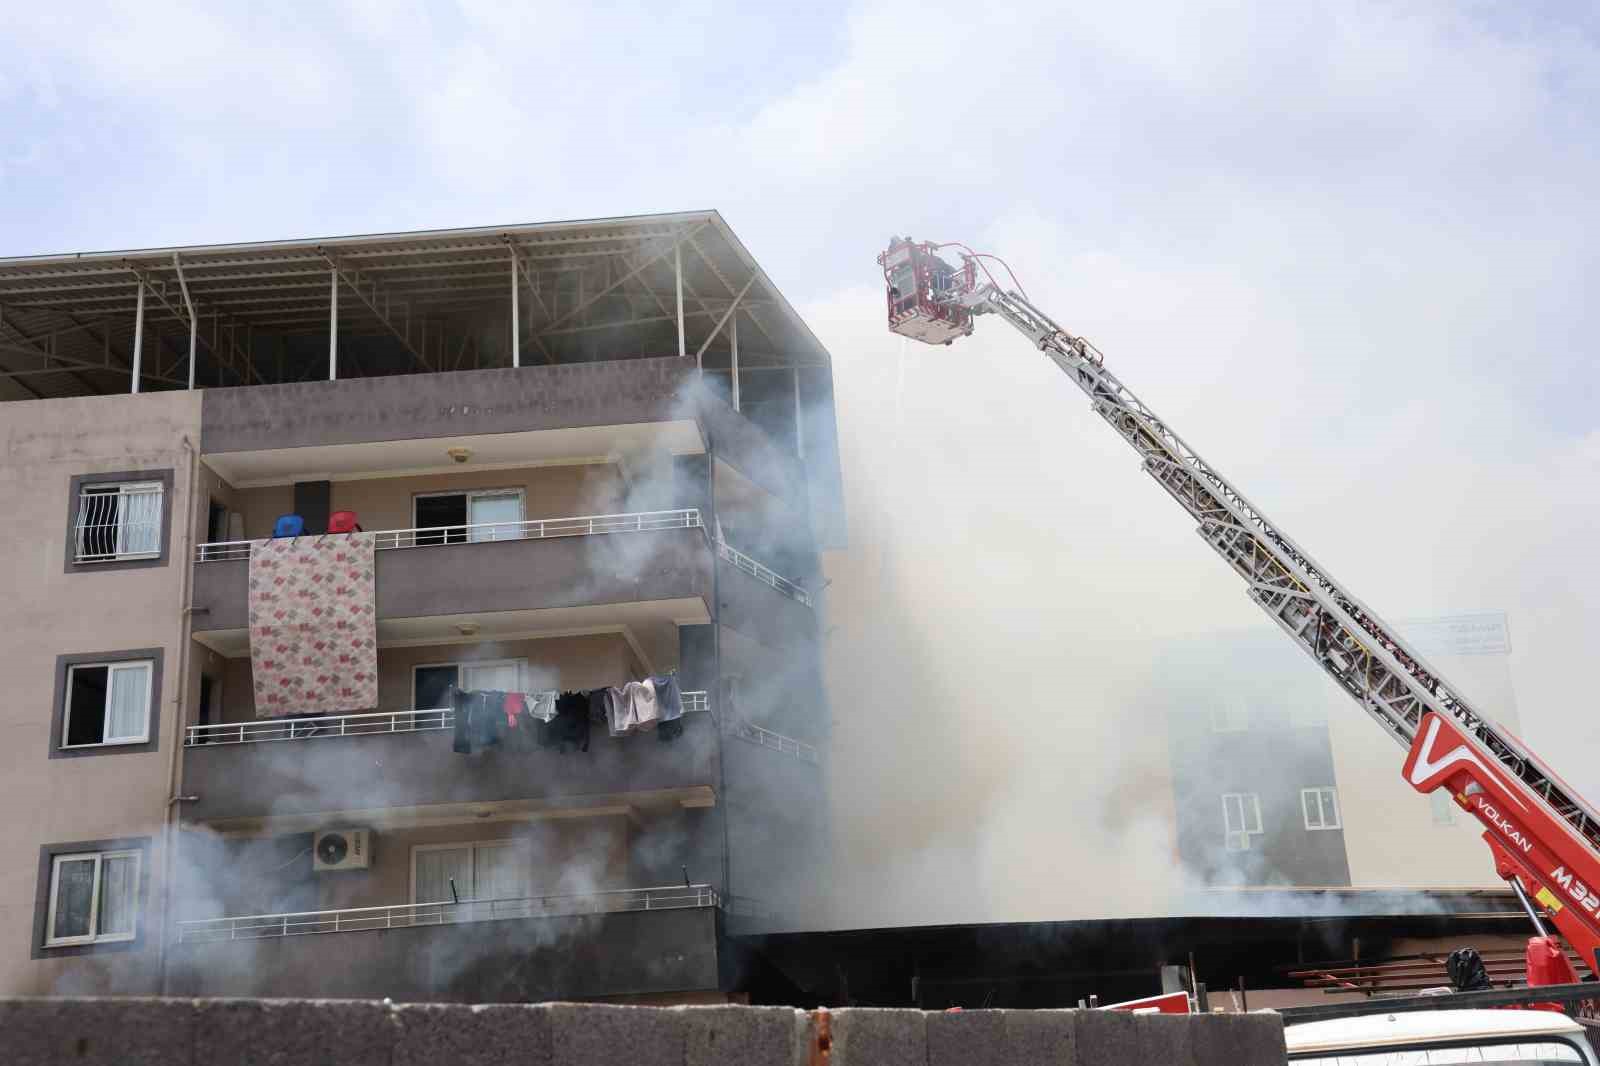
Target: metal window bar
{"x": 414, "y": 915}
{"x": 481, "y": 532}
{"x": 355, "y": 725}
{"x": 761, "y": 573}
{"x": 766, "y": 738}
{"x": 116, "y": 522}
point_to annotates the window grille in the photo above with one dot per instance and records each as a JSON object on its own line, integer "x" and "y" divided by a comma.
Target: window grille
{"x": 117, "y": 522}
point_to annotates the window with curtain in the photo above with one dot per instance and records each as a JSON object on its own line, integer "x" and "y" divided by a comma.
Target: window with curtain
{"x": 94, "y": 898}
{"x": 500, "y": 869}
{"x": 1320, "y": 807}
{"x": 118, "y": 521}
{"x": 107, "y": 703}
{"x": 454, "y": 517}
{"x": 1241, "y": 819}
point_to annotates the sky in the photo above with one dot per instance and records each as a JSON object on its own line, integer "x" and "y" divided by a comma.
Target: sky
{"x": 1347, "y": 250}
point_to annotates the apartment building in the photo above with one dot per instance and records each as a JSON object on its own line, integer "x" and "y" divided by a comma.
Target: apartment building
{"x": 1282, "y": 783}
{"x": 578, "y": 455}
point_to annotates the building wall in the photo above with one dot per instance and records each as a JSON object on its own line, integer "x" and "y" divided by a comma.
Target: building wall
{"x": 47, "y": 612}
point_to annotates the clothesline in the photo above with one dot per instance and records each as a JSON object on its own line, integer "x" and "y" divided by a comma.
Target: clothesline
{"x": 549, "y": 719}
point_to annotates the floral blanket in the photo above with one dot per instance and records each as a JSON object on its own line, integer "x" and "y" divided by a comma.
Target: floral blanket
{"x": 313, "y": 625}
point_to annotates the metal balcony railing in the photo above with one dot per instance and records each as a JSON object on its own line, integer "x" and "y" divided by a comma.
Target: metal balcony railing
{"x": 761, "y": 573}
{"x": 488, "y": 532}
{"x": 415, "y": 915}
{"x": 755, "y": 734}
{"x": 354, "y": 725}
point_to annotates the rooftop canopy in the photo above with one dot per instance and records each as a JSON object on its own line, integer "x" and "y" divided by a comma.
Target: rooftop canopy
{"x": 394, "y": 303}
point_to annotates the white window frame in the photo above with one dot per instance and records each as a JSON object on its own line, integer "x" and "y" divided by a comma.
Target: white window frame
{"x": 93, "y": 936}
{"x": 520, "y": 494}
{"x": 149, "y": 668}
{"x": 123, "y": 488}
{"x": 1239, "y": 839}
{"x": 520, "y": 847}
{"x": 459, "y": 664}
{"x": 1326, "y": 796}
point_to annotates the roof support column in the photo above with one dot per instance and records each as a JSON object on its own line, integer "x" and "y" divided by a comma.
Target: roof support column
{"x": 677, "y": 266}
{"x": 194, "y": 323}
{"x": 733, "y": 343}
{"x": 138, "y": 336}
{"x": 516, "y": 325}
{"x": 333, "y": 324}
{"x": 799, "y": 430}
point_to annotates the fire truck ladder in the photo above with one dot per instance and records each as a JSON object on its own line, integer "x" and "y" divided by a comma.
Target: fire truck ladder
{"x": 1362, "y": 653}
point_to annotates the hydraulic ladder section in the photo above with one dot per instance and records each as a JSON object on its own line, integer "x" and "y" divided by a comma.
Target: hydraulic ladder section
{"x": 1356, "y": 648}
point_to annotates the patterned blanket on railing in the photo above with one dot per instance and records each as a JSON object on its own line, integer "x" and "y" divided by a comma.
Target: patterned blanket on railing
{"x": 313, "y": 625}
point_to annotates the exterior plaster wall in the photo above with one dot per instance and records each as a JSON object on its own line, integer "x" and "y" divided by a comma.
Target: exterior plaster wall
{"x": 52, "y": 608}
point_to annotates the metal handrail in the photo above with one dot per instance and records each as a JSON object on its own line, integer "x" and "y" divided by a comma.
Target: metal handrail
{"x": 489, "y": 532}
{"x": 762, "y": 573}
{"x": 260, "y": 730}
{"x": 414, "y": 915}
{"x": 755, "y": 734}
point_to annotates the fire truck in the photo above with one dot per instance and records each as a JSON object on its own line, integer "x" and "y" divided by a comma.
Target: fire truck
{"x": 1543, "y": 837}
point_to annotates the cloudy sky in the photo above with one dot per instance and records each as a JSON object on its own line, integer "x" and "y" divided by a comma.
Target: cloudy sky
{"x": 1347, "y": 249}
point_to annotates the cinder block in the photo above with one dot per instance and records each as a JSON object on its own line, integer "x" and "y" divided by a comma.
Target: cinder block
{"x": 600, "y": 1035}
{"x": 1042, "y": 1037}
{"x": 294, "y": 1032}
{"x": 739, "y": 1036}
{"x": 1165, "y": 1039}
{"x": 96, "y": 1032}
{"x": 1238, "y": 1040}
{"x": 968, "y": 1038}
{"x": 864, "y": 1036}
{"x": 1107, "y": 1038}
{"x": 498, "y": 1034}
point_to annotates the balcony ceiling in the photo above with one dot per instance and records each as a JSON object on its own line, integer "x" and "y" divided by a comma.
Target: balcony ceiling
{"x": 430, "y": 455}
{"x": 423, "y": 301}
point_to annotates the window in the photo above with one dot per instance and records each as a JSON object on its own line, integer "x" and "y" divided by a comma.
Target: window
{"x": 430, "y": 684}
{"x": 118, "y": 521}
{"x": 107, "y": 703}
{"x": 1241, "y": 819}
{"x": 1444, "y": 806}
{"x": 1321, "y": 807}
{"x": 500, "y": 869}
{"x": 469, "y": 516}
{"x": 94, "y": 898}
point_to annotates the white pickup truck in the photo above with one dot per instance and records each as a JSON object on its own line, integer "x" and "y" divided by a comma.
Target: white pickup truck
{"x": 1441, "y": 1038}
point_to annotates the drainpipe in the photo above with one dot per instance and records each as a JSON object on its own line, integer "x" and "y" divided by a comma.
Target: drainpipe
{"x": 169, "y": 857}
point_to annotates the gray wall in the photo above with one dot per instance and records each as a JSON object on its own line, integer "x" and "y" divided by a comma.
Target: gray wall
{"x": 300, "y": 1033}
{"x": 503, "y": 576}
{"x": 419, "y": 406}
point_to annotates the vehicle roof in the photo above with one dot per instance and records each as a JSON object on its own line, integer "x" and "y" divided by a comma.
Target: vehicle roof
{"x": 1436, "y": 1026}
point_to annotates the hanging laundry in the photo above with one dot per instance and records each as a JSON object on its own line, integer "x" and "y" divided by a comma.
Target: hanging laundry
{"x": 542, "y": 705}
{"x": 646, "y": 715}
{"x": 670, "y": 731}
{"x": 571, "y": 724}
{"x": 619, "y": 711}
{"x": 480, "y": 719}
{"x": 668, "y": 698}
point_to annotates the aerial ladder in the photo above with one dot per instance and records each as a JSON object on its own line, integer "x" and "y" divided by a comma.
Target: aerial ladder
{"x": 1544, "y": 837}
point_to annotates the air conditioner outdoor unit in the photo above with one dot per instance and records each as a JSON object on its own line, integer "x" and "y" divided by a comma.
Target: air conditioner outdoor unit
{"x": 341, "y": 849}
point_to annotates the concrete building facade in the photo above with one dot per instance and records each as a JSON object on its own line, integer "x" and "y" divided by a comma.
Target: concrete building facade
{"x": 544, "y": 429}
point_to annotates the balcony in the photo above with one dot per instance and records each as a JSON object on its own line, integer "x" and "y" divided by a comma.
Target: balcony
{"x": 414, "y": 915}
{"x": 545, "y": 565}
{"x": 629, "y": 942}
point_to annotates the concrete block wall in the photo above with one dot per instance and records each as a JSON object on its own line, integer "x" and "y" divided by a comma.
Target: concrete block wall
{"x": 224, "y": 1032}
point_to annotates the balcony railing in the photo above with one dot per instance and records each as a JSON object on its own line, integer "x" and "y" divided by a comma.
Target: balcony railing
{"x": 488, "y": 532}
{"x": 416, "y": 915}
{"x": 761, "y": 573}
{"x": 766, "y": 738}
{"x": 354, "y": 725}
